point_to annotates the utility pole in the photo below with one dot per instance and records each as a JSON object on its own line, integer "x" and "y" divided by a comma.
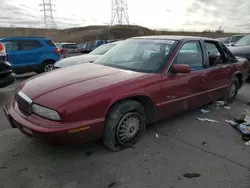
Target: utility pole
{"x": 119, "y": 12}
{"x": 47, "y": 9}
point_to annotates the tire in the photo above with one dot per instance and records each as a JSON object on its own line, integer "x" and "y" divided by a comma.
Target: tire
{"x": 127, "y": 118}
{"x": 232, "y": 90}
{"x": 246, "y": 137}
{"x": 45, "y": 65}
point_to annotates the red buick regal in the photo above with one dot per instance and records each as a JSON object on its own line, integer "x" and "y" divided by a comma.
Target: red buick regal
{"x": 139, "y": 81}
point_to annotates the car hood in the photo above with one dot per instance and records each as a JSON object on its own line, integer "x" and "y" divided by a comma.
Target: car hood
{"x": 76, "y": 59}
{"x": 56, "y": 88}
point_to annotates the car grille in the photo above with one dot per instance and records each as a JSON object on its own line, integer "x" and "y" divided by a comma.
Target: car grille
{"x": 23, "y": 104}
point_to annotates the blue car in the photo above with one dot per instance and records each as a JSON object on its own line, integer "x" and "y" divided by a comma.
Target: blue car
{"x": 31, "y": 54}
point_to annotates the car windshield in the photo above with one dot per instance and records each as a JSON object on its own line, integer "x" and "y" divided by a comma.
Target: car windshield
{"x": 236, "y": 38}
{"x": 244, "y": 41}
{"x": 141, "y": 55}
{"x": 102, "y": 49}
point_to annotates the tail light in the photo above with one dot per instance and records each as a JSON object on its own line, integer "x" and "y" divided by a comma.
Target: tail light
{"x": 63, "y": 51}
{"x": 2, "y": 50}
{"x": 57, "y": 51}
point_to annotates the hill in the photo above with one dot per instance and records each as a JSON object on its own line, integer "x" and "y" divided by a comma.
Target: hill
{"x": 82, "y": 34}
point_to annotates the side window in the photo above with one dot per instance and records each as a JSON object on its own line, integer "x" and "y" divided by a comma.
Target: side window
{"x": 11, "y": 46}
{"x": 230, "y": 55}
{"x": 215, "y": 56}
{"x": 212, "y": 49}
{"x": 65, "y": 46}
{"x": 29, "y": 44}
{"x": 190, "y": 54}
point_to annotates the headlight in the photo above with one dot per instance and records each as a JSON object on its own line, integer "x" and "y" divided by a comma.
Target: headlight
{"x": 45, "y": 112}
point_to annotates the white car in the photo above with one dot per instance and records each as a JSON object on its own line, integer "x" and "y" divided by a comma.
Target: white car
{"x": 68, "y": 47}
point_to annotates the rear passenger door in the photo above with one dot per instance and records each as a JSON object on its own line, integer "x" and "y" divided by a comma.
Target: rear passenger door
{"x": 29, "y": 52}
{"x": 219, "y": 71}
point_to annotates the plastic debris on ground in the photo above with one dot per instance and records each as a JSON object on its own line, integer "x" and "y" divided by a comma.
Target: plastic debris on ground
{"x": 204, "y": 111}
{"x": 247, "y": 143}
{"x": 227, "y": 107}
{"x": 208, "y": 120}
{"x": 242, "y": 123}
{"x": 219, "y": 103}
{"x": 231, "y": 122}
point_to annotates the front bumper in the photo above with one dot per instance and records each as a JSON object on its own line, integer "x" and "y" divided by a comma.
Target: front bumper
{"x": 7, "y": 80}
{"x": 83, "y": 132}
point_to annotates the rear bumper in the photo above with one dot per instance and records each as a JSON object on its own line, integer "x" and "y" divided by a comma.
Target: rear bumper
{"x": 75, "y": 133}
{"x": 7, "y": 80}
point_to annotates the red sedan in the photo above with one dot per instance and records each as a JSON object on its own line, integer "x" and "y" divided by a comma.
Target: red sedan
{"x": 139, "y": 81}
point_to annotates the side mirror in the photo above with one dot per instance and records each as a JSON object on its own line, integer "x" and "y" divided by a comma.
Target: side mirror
{"x": 181, "y": 68}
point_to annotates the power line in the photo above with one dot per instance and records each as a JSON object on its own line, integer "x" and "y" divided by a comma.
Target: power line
{"x": 47, "y": 9}
{"x": 119, "y": 12}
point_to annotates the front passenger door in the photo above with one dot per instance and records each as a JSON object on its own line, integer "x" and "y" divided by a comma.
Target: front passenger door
{"x": 184, "y": 91}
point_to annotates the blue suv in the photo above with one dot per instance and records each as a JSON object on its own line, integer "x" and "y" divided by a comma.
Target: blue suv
{"x": 28, "y": 54}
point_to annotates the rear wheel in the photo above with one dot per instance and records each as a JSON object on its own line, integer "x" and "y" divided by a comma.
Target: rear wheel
{"x": 232, "y": 90}
{"x": 46, "y": 67}
{"x": 124, "y": 125}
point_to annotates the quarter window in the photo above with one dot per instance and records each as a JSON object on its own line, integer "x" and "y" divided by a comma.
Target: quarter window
{"x": 11, "y": 46}
{"x": 190, "y": 54}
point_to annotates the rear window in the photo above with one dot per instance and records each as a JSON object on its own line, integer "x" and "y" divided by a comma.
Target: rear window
{"x": 50, "y": 43}
{"x": 29, "y": 44}
{"x": 70, "y": 46}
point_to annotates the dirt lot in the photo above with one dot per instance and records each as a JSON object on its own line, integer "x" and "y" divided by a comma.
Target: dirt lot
{"x": 169, "y": 149}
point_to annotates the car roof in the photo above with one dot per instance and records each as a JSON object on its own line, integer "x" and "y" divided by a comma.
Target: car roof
{"x": 67, "y": 43}
{"x": 239, "y": 35}
{"x": 173, "y": 37}
{"x": 116, "y": 42}
{"x": 24, "y": 37}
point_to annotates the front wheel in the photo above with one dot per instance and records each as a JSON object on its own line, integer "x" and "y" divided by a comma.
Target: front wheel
{"x": 124, "y": 125}
{"x": 232, "y": 90}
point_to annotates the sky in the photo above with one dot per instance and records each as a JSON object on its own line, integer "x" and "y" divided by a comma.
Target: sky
{"x": 193, "y": 15}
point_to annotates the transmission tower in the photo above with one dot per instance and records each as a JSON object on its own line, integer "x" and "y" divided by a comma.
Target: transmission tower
{"x": 47, "y": 9}
{"x": 119, "y": 12}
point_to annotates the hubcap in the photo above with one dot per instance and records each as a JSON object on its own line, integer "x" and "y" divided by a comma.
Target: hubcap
{"x": 232, "y": 91}
{"x": 128, "y": 128}
{"x": 48, "y": 68}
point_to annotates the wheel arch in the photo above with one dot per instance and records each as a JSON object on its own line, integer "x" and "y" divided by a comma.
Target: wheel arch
{"x": 239, "y": 76}
{"x": 143, "y": 99}
{"x": 48, "y": 60}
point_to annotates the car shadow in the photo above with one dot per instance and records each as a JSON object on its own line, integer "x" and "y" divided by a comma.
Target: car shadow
{"x": 25, "y": 76}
